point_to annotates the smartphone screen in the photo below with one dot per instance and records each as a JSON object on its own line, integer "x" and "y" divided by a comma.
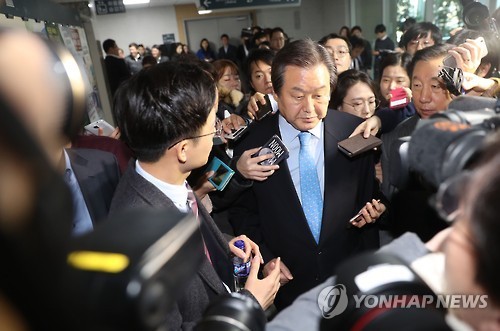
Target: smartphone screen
{"x": 449, "y": 61}
{"x": 219, "y": 175}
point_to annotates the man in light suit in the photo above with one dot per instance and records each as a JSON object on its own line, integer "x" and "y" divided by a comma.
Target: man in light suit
{"x": 272, "y": 213}
{"x": 167, "y": 115}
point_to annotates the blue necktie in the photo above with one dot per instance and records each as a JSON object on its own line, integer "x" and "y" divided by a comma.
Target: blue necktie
{"x": 310, "y": 191}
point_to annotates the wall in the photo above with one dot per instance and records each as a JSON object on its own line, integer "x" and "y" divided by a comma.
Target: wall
{"x": 314, "y": 18}
{"x": 141, "y": 25}
{"x": 189, "y": 12}
{"x": 335, "y": 15}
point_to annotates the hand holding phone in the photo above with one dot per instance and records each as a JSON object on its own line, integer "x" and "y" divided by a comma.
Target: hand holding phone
{"x": 368, "y": 214}
{"x": 235, "y": 134}
{"x": 264, "y": 109}
{"x": 100, "y": 124}
{"x": 222, "y": 173}
{"x": 273, "y": 146}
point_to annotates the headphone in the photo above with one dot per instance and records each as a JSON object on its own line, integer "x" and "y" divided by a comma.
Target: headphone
{"x": 65, "y": 67}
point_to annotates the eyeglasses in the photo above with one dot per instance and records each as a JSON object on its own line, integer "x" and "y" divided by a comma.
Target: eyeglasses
{"x": 447, "y": 199}
{"x": 422, "y": 41}
{"x": 359, "y": 105}
{"x": 217, "y": 133}
{"x": 340, "y": 51}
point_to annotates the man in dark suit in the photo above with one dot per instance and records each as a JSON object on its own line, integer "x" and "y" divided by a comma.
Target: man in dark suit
{"x": 276, "y": 212}
{"x": 167, "y": 115}
{"x": 116, "y": 68}
{"x": 97, "y": 175}
{"x": 227, "y": 51}
{"x": 411, "y": 211}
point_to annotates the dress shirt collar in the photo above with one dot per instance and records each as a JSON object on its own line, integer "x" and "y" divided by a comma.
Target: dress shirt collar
{"x": 289, "y": 133}
{"x": 177, "y": 193}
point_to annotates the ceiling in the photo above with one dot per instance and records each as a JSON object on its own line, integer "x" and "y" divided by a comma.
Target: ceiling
{"x": 158, "y": 3}
{"x": 153, "y": 3}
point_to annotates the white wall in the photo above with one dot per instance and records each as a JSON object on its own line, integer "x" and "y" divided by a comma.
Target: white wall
{"x": 143, "y": 25}
{"x": 314, "y": 18}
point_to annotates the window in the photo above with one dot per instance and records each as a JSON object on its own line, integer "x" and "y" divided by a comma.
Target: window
{"x": 447, "y": 15}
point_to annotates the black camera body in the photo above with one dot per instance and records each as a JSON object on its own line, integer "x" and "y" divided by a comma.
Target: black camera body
{"x": 382, "y": 293}
{"x": 445, "y": 144}
{"x": 475, "y": 15}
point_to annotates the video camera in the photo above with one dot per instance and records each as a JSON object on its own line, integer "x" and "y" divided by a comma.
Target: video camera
{"x": 476, "y": 16}
{"x": 445, "y": 144}
{"x": 379, "y": 291}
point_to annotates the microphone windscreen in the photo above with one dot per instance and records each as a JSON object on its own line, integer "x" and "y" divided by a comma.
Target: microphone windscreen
{"x": 432, "y": 144}
{"x": 468, "y": 103}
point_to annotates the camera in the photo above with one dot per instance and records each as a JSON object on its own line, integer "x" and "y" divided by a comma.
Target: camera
{"x": 445, "y": 144}
{"x": 451, "y": 141}
{"x": 475, "y": 15}
{"x": 379, "y": 291}
{"x": 246, "y": 33}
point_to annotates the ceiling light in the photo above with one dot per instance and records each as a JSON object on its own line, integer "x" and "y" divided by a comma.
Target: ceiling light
{"x": 202, "y": 10}
{"x": 135, "y": 2}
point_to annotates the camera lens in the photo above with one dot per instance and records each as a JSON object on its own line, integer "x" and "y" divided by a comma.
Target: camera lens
{"x": 475, "y": 14}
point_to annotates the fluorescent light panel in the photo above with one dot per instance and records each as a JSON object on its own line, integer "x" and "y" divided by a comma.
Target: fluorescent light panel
{"x": 135, "y": 2}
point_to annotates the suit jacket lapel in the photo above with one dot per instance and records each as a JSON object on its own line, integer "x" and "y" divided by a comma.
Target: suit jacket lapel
{"x": 153, "y": 196}
{"x": 219, "y": 252}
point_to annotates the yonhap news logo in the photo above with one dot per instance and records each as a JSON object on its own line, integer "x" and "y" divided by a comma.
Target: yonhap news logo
{"x": 333, "y": 301}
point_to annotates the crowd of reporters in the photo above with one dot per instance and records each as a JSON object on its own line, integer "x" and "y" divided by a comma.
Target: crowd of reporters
{"x": 166, "y": 115}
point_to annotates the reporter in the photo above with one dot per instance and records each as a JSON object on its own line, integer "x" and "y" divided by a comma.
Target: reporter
{"x": 355, "y": 94}
{"x": 177, "y": 103}
{"x": 410, "y": 211}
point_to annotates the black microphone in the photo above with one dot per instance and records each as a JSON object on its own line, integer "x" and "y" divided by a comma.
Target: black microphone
{"x": 468, "y": 103}
{"x": 470, "y": 110}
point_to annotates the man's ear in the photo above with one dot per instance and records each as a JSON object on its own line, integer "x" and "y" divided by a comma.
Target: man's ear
{"x": 276, "y": 97}
{"x": 181, "y": 150}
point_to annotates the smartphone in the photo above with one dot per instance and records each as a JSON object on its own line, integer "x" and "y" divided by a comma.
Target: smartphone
{"x": 264, "y": 110}
{"x": 356, "y": 218}
{"x": 399, "y": 98}
{"x": 235, "y": 134}
{"x": 273, "y": 146}
{"x": 449, "y": 61}
{"x": 359, "y": 216}
{"x": 222, "y": 173}
{"x": 100, "y": 124}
